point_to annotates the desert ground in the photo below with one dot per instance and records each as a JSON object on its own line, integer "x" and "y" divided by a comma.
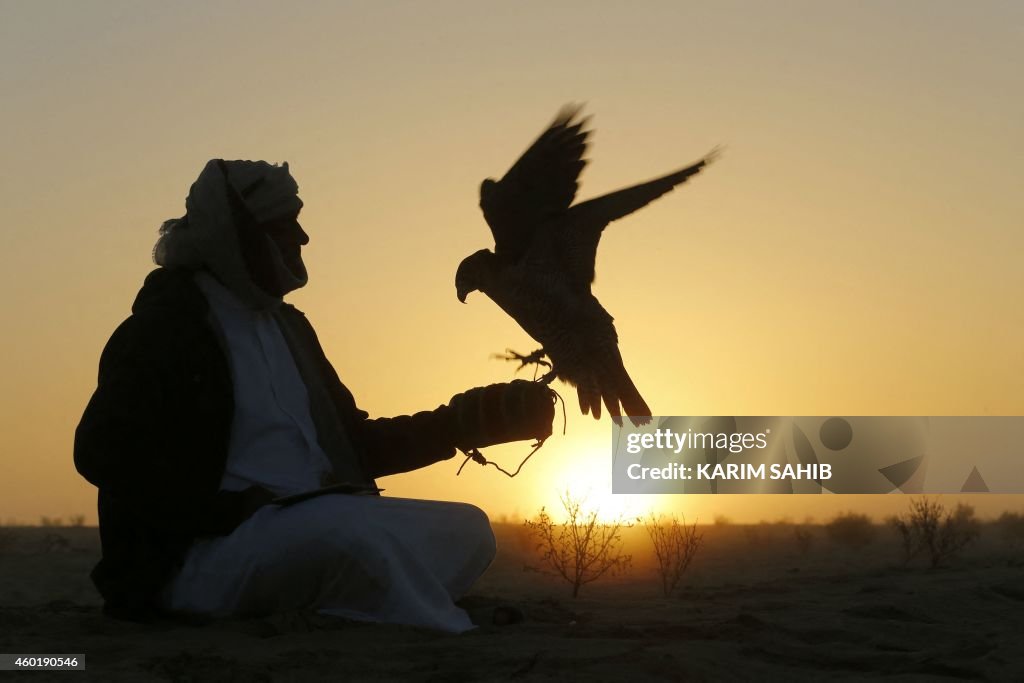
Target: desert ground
{"x": 754, "y": 605}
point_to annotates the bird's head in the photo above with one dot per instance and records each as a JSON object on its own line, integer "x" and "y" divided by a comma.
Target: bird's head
{"x": 472, "y": 273}
{"x": 487, "y": 187}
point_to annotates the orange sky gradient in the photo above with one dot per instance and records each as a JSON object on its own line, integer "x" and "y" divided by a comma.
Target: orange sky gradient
{"x": 855, "y": 251}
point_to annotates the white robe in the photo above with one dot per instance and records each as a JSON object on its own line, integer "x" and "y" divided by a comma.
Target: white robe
{"x": 364, "y": 557}
{"x": 273, "y": 440}
{"x": 369, "y": 558}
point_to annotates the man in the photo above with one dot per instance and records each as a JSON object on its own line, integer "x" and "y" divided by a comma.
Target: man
{"x": 215, "y": 397}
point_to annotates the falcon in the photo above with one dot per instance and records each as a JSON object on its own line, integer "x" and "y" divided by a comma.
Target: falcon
{"x": 542, "y": 267}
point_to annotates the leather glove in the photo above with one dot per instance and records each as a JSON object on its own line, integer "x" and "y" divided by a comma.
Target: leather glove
{"x": 499, "y": 413}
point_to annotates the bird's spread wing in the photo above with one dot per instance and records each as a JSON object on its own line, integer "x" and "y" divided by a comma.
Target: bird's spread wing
{"x": 541, "y": 184}
{"x": 587, "y": 220}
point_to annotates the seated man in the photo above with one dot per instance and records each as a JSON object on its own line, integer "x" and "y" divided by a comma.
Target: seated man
{"x": 215, "y": 397}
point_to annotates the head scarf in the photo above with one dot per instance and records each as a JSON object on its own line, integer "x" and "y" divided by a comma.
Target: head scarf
{"x": 206, "y": 237}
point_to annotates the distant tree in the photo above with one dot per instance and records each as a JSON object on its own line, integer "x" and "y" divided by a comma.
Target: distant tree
{"x": 675, "y": 546}
{"x": 581, "y": 550}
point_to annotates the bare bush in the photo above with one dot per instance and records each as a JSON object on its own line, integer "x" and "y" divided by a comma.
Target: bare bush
{"x": 581, "y": 550}
{"x": 675, "y": 546}
{"x": 50, "y": 521}
{"x": 851, "y": 529}
{"x": 931, "y": 528}
{"x": 76, "y": 520}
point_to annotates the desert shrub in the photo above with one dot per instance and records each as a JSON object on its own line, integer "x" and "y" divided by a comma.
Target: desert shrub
{"x": 1011, "y": 527}
{"x": 722, "y": 520}
{"x": 930, "y": 528}
{"x": 675, "y": 546}
{"x": 50, "y": 521}
{"x": 76, "y": 520}
{"x": 581, "y": 550}
{"x": 851, "y": 529}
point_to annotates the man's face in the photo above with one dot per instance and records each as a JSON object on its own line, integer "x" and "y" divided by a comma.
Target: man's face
{"x": 289, "y": 237}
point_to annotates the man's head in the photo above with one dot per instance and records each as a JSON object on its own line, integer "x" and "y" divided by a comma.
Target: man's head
{"x": 241, "y": 225}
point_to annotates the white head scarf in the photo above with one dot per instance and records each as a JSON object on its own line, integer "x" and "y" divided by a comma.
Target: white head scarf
{"x": 206, "y": 236}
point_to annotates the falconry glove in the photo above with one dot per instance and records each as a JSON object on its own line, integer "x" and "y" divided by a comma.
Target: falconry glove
{"x": 499, "y": 413}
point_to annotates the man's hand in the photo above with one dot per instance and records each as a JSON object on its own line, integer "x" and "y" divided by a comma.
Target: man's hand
{"x": 499, "y": 413}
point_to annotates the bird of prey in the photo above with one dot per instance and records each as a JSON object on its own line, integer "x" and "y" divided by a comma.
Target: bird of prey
{"x": 542, "y": 266}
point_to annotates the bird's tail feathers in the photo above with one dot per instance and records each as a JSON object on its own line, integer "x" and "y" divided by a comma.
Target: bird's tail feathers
{"x": 611, "y": 402}
{"x": 632, "y": 402}
{"x": 590, "y": 399}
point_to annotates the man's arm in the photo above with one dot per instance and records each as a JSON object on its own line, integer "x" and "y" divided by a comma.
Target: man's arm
{"x": 391, "y": 445}
{"x": 476, "y": 418}
{"x": 484, "y": 416}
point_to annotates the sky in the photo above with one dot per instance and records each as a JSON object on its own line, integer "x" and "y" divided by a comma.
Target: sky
{"x": 855, "y": 251}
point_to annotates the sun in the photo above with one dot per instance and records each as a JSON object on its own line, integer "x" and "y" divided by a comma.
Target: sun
{"x": 591, "y": 484}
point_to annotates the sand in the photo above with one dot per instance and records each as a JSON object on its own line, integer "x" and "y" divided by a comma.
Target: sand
{"x": 752, "y": 607}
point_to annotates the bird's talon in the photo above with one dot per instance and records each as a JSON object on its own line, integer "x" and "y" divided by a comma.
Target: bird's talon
{"x": 535, "y": 358}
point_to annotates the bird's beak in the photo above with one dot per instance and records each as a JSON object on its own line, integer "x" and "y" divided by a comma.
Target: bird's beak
{"x": 462, "y": 294}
